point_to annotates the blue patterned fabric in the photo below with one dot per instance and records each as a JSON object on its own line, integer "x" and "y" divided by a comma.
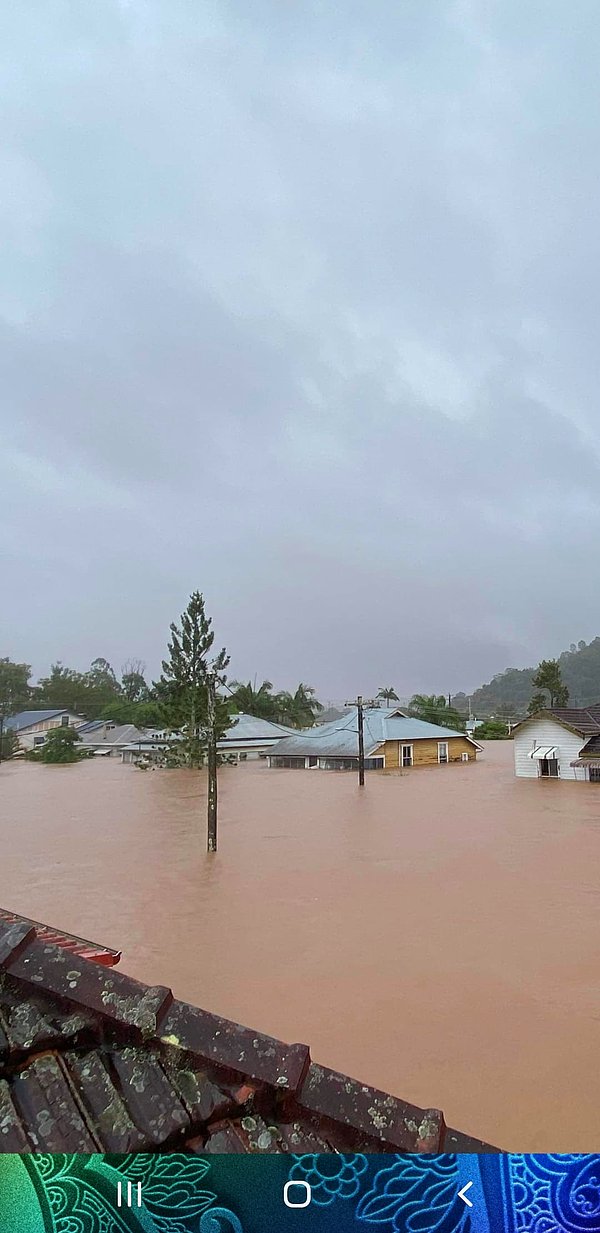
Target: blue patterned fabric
{"x": 350, "y": 1193}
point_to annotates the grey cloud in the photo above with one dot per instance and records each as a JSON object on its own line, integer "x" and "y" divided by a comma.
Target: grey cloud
{"x": 300, "y": 306}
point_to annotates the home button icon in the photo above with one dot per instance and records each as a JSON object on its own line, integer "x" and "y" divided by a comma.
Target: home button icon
{"x": 297, "y": 1194}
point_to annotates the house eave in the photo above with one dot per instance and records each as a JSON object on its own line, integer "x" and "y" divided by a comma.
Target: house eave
{"x": 547, "y": 714}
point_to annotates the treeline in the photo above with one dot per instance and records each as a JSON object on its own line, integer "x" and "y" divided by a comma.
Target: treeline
{"x": 128, "y": 698}
{"x": 509, "y": 693}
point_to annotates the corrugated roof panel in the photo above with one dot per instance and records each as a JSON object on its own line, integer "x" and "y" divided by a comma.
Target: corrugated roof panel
{"x": 252, "y": 728}
{"x": 24, "y": 719}
{"x": 339, "y": 739}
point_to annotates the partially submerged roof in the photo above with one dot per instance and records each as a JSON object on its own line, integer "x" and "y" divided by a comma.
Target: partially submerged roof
{"x": 115, "y": 734}
{"x": 251, "y": 728}
{"x": 92, "y": 1060}
{"x": 339, "y": 739}
{"x": 584, "y": 721}
{"x": 26, "y": 719}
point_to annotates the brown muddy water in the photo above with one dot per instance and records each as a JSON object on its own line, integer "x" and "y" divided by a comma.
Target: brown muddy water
{"x": 436, "y": 935}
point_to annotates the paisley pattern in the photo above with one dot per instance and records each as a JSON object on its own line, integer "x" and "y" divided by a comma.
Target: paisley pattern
{"x": 554, "y": 1194}
{"x": 184, "y": 1193}
{"x": 80, "y": 1192}
{"x": 415, "y": 1194}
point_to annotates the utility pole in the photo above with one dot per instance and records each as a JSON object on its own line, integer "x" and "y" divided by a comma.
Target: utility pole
{"x": 211, "y": 845}
{"x": 360, "y": 705}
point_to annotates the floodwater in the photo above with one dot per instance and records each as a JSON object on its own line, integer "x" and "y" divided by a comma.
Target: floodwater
{"x": 436, "y": 934}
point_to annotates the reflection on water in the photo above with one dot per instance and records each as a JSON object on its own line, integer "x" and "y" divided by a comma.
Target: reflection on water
{"x": 436, "y": 935}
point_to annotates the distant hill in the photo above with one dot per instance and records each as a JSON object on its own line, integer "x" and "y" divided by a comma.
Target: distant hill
{"x": 509, "y": 692}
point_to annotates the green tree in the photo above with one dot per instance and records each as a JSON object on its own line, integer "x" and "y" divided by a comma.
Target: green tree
{"x": 62, "y": 688}
{"x": 548, "y": 681}
{"x": 182, "y": 690}
{"x": 85, "y": 693}
{"x": 133, "y": 682}
{"x": 538, "y": 702}
{"x": 101, "y": 687}
{"x": 491, "y": 730}
{"x": 15, "y": 693}
{"x": 388, "y": 694}
{"x": 261, "y": 702}
{"x": 434, "y": 709}
{"x": 9, "y": 743}
{"x": 59, "y": 746}
{"x": 141, "y": 714}
{"x": 300, "y": 709}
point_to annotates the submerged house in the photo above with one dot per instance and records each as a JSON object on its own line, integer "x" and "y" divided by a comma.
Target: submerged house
{"x": 559, "y": 743}
{"x": 32, "y": 727}
{"x": 250, "y": 737}
{"x": 392, "y": 740}
{"x": 103, "y": 737}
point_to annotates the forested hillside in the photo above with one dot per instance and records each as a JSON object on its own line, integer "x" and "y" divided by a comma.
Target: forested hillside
{"x": 509, "y": 692}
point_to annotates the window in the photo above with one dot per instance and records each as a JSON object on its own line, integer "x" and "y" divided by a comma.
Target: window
{"x": 313, "y": 761}
{"x": 549, "y": 768}
{"x": 594, "y": 774}
{"x": 64, "y": 721}
{"x": 374, "y": 764}
{"x": 39, "y": 740}
{"x": 407, "y": 755}
{"x": 442, "y": 751}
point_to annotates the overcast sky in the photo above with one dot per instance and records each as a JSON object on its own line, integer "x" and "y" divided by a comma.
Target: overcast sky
{"x": 300, "y": 306}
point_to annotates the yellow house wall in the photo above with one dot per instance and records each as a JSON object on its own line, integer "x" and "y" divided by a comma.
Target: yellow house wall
{"x": 425, "y": 751}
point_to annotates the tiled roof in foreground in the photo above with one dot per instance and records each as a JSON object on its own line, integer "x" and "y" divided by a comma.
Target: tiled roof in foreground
{"x": 92, "y": 1060}
{"x": 68, "y": 941}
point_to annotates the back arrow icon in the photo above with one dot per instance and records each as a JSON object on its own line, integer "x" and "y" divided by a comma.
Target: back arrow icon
{"x": 462, "y": 1194}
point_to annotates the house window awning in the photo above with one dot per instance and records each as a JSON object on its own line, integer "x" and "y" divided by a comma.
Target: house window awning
{"x": 544, "y": 751}
{"x": 592, "y": 763}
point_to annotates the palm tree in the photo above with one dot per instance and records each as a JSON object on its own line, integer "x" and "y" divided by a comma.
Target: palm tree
{"x": 299, "y": 710}
{"x": 435, "y": 710}
{"x": 426, "y": 705}
{"x": 260, "y": 702}
{"x": 388, "y": 694}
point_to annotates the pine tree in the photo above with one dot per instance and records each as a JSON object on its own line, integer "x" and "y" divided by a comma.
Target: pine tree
{"x": 182, "y": 690}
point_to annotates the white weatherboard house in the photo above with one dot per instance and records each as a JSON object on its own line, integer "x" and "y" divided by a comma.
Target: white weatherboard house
{"x": 559, "y": 743}
{"x": 32, "y": 727}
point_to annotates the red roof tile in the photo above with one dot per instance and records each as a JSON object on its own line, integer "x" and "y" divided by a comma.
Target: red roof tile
{"x": 78, "y": 946}
{"x": 92, "y": 1060}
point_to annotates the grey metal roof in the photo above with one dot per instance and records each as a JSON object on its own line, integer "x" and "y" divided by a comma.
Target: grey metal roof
{"x": 251, "y": 728}
{"x": 339, "y": 739}
{"x": 121, "y": 734}
{"x": 24, "y": 719}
